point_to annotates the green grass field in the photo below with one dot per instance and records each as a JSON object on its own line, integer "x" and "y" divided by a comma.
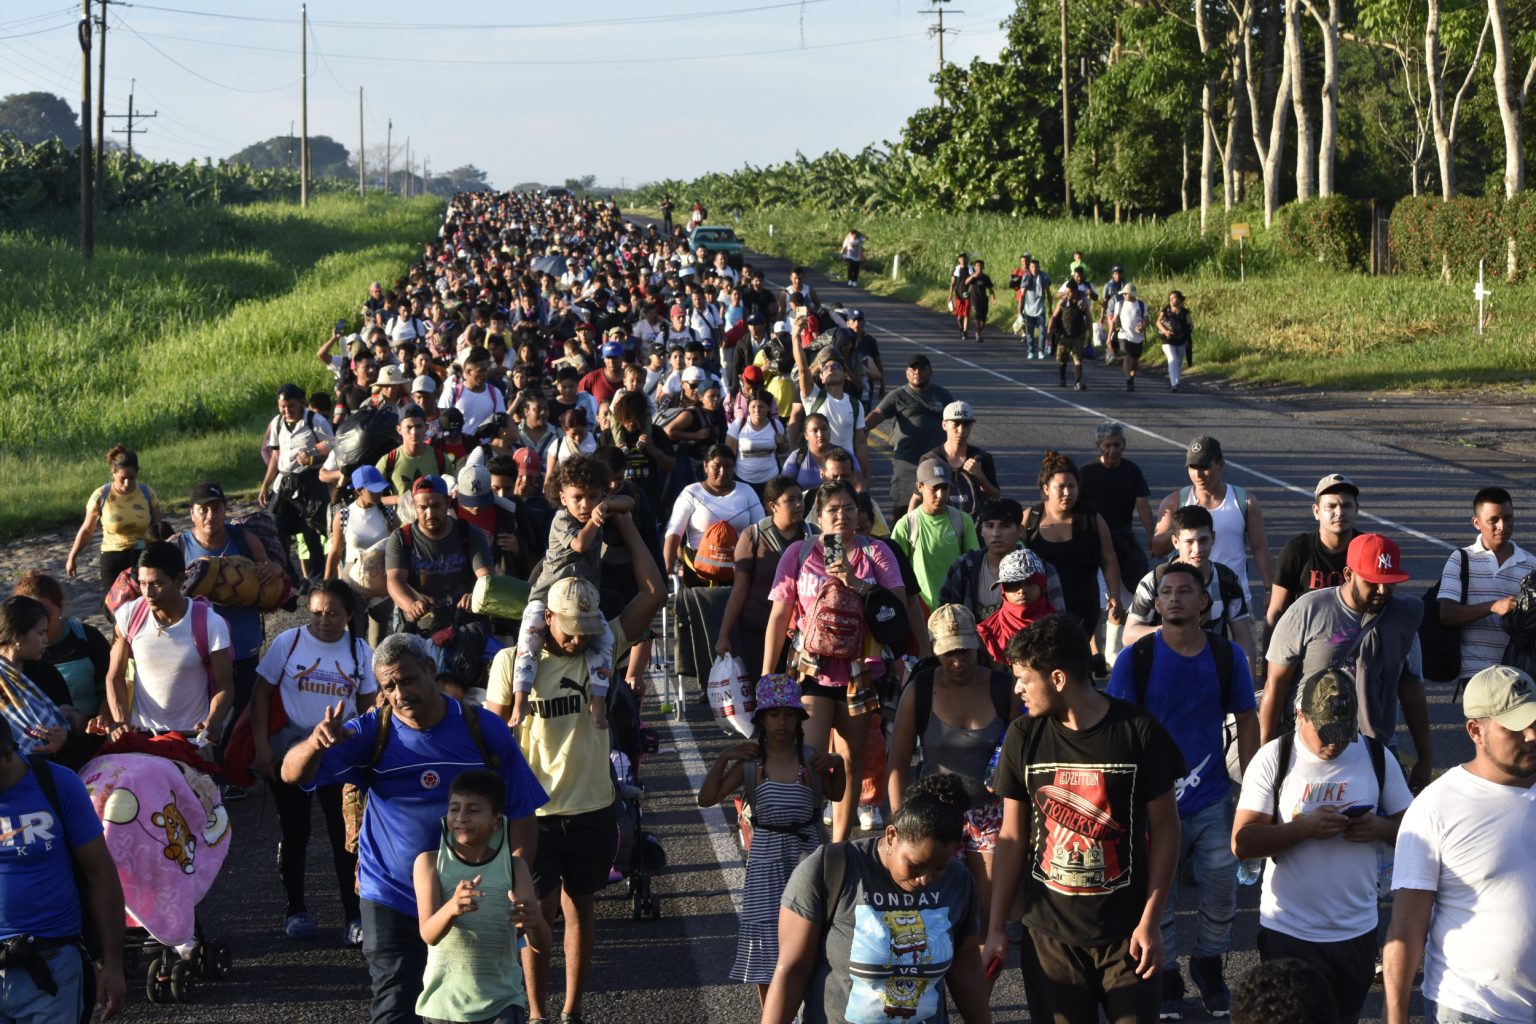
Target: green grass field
{"x": 175, "y": 338}
{"x": 1287, "y": 324}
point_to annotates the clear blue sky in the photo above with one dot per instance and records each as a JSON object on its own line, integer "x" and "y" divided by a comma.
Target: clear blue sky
{"x": 625, "y": 91}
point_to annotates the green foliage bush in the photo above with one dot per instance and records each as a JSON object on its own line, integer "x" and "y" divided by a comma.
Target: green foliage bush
{"x": 1436, "y": 237}
{"x": 46, "y": 176}
{"x": 1330, "y": 230}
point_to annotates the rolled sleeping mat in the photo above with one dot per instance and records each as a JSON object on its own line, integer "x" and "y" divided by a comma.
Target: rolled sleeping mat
{"x": 503, "y": 597}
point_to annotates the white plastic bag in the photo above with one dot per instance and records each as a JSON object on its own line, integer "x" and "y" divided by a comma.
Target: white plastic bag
{"x": 732, "y": 693}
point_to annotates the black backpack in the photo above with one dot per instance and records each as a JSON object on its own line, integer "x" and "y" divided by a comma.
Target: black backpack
{"x": 1440, "y": 644}
{"x": 1143, "y": 651}
{"x": 366, "y": 436}
{"x": 1520, "y": 652}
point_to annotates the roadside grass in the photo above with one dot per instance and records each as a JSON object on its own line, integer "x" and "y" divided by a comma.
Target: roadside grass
{"x": 174, "y": 338}
{"x": 1288, "y": 324}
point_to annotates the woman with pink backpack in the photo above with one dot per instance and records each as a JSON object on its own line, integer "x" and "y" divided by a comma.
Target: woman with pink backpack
{"x": 821, "y": 593}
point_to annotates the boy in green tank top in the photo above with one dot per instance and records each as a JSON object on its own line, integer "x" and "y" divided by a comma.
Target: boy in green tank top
{"x": 472, "y": 897}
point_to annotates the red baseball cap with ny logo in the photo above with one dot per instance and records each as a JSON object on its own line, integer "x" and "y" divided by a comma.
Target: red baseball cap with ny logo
{"x": 1376, "y": 559}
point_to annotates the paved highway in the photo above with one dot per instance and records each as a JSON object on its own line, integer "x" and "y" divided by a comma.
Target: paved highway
{"x": 1413, "y": 488}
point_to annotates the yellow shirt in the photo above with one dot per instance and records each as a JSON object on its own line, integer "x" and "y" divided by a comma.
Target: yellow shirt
{"x": 567, "y": 753}
{"x": 125, "y": 518}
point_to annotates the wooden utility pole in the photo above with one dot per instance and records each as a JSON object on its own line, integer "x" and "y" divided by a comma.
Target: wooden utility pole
{"x": 1066, "y": 115}
{"x": 938, "y": 31}
{"x": 405, "y": 188}
{"x": 389, "y": 151}
{"x": 304, "y": 106}
{"x": 87, "y": 225}
{"x": 132, "y": 116}
{"x": 101, "y": 103}
{"x": 362, "y": 161}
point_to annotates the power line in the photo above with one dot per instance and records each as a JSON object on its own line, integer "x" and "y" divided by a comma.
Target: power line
{"x": 198, "y": 74}
{"x": 321, "y": 54}
{"x": 374, "y": 58}
{"x": 441, "y": 26}
{"x": 56, "y": 12}
{"x": 41, "y": 31}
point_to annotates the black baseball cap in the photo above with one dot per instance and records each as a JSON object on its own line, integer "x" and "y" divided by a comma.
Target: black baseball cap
{"x": 919, "y": 362}
{"x": 206, "y": 493}
{"x": 1203, "y": 451}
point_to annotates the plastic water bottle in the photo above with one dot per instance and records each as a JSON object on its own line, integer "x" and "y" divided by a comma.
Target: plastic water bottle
{"x": 997, "y": 753}
{"x": 1250, "y": 871}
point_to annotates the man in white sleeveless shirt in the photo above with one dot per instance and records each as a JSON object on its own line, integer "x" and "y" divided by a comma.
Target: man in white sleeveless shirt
{"x": 1239, "y": 522}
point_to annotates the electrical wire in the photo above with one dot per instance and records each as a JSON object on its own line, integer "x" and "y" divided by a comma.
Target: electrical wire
{"x": 41, "y": 31}
{"x": 197, "y": 74}
{"x": 375, "y": 58}
{"x": 41, "y": 17}
{"x": 440, "y": 26}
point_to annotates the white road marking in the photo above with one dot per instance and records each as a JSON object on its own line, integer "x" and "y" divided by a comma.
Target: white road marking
{"x": 721, "y": 836}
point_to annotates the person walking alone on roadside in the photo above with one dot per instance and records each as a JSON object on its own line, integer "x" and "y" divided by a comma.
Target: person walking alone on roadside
{"x": 979, "y": 293}
{"x": 1177, "y": 329}
{"x": 853, "y": 255}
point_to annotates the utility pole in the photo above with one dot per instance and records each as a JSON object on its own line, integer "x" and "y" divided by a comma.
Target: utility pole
{"x": 389, "y": 151}
{"x": 101, "y": 103}
{"x": 426, "y": 174}
{"x": 87, "y": 225}
{"x": 290, "y": 143}
{"x": 1066, "y": 116}
{"x": 405, "y": 188}
{"x": 938, "y": 31}
{"x": 362, "y": 161}
{"x": 131, "y": 116}
{"x": 304, "y": 107}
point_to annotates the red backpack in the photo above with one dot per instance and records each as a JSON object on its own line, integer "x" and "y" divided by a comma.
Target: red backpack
{"x": 833, "y": 627}
{"x": 714, "y": 561}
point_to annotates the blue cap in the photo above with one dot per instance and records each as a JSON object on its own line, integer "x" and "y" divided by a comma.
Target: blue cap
{"x": 430, "y": 485}
{"x": 613, "y": 350}
{"x": 368, "y": 478}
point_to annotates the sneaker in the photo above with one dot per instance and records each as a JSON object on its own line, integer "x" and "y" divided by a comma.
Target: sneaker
{"x": 1130, "y": 383}
{"x": 355, "y": 933}
{"x": 1079, "y": 386}
{"x": 1174, "y": 388}
{"x": 1206, "y": 970}
{"x": 301, "y": 926}
{"x": 233, "y": 793}
{"x": 826, "y": 816}
{"x": 1172, "y": 1006}
{"x": 869, "y": 817}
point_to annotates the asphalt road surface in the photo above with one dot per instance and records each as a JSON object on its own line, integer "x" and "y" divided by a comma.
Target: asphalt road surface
{"x": 1414, "y": 488}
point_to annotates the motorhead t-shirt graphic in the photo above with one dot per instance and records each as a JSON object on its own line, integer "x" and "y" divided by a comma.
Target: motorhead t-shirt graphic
{"x": 1081, "y": 847}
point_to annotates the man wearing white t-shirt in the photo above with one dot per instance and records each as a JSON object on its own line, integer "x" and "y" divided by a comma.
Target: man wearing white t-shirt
{"x": 1464, "y": 877}
{"x": 1311, "y": 803}
{"x": 1493, "y": 566}
{"x": 183, "y": 675}
{"x": 824, "y": 389}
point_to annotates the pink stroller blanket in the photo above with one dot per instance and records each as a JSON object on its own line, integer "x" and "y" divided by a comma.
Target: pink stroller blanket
{"x": 167, "y": 829}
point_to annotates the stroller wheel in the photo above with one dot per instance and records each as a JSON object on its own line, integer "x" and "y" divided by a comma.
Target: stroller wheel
{"x": 181, "y": 982}
{"x": 157, "y": 982}
{"x": 655, "y": 908}
{"x": 637, "y": 906}
{"x": 214, "y": 961}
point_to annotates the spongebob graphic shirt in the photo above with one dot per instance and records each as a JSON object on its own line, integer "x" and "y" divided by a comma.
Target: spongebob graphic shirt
{"x": 1086, "y": 792}
{"x": 887, "y": 950}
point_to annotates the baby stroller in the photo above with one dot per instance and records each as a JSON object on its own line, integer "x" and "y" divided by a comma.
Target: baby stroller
{"x": 638, "y": 855}
{"x": 165, "y": 825}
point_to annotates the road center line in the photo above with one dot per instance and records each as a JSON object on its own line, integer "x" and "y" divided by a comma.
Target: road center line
{"x": 1095, "y": 413}
{"x": 721, "y": 837}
